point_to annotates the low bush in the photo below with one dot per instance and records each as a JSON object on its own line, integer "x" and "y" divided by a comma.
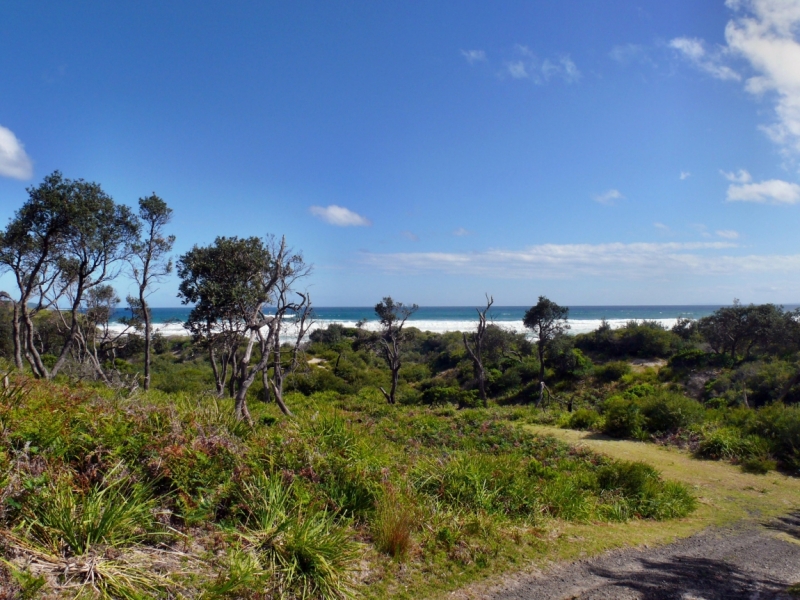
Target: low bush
{"x": 667, "y": 412}
{"x": 583, "y": 418}
{"x": 623, "y": 417}
{"x": 612, "y": 371}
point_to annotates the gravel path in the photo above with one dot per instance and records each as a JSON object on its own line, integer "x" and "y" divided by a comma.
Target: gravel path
{"x": 744, "y": 562}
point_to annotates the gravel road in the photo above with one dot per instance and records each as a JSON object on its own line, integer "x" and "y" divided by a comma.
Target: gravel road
{"x": 749, "y": 561}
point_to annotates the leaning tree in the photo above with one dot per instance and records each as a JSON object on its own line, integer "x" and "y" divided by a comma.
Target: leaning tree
{"x": 548, "y": 321}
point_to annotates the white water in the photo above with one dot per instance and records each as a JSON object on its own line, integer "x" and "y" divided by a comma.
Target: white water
{"x": 576, "y": 326}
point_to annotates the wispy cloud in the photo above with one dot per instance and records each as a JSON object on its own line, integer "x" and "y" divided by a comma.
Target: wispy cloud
{"x": 517, "y": 69}
{"x": 474, "y": 56}
{"x": 740, "y": 176}
{"x": 662, "y": 228}
{"x": 772, "y": 191}
{"x": 701, "y": 229}
{"x": 461, "y": 232}
{"x": 608, "y": 198}
{"x": 614, "y": 261}
{"x": 728, "y": 234}
{"x": 626, "y": 54}
{"x": 339, "y": 216}
{"x": 14, "y": 161}
{"x": 526, "y": 65}
{"x": 685, "y": 175}
{"x": 410, "y": 236}
{"x": 694, "y": 50}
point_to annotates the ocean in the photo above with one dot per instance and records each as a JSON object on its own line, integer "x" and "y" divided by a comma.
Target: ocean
{"x": 440, "y": 319}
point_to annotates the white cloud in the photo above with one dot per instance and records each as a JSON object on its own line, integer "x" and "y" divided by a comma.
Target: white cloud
{"x": 14, "y": 162}
{"x": 461, "y": 232}
{"x": 764, "y": 33}
{"x": 474, "y": 56}
{"x": 410, "y": 236}
{"x": 728, "y": 234}
{"x": 772, "y": 191}
{"x": 741, "y": 176}
{"x": 685, "y": 175}
{"x": 339, "y": 216}
{"x": 566, "y": 261}
{"x": 711, "y": 62}
{"x": 608, "y": 198}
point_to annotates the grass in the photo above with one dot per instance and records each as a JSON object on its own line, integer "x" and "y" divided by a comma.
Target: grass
{"x": 350, "y": 498}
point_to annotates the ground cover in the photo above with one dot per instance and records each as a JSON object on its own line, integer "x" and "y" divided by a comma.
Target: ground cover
{"x": 109, "y": 495}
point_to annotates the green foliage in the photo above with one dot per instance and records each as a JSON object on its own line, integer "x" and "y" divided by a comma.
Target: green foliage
{"x": 623, "y": 417}
{"x": 644, "y": 339}
{"x": 644, "y": 491}
{"x": 667, "y": 412}
{"x": 612, "y": 371}
{"x": 62, "y": 519}
{"x": 584, "y": 418}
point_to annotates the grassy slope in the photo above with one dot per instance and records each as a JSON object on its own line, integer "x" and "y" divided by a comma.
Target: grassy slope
{"x": 726, "y": 495}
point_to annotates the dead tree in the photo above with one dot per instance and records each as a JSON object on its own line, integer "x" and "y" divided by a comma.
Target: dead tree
{"x": 393, "y": 316}
{"x": 474, "y": 347}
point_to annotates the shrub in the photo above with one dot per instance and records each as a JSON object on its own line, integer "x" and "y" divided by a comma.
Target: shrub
{"x": 583, "y": 418}
{"x": 612, "y": 371}
{"x": 623, "y": 417}
{"x": 666, "y": 412}
{"x": 646, "y": 493}
{"x": 730, "y": 444}
{"x": 780, "y": 426}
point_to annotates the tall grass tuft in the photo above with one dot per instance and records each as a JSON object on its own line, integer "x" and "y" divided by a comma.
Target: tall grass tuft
{"x": 302, "y": 555}
{"x": 65, "y": 521}
{"x": 393, "y": 524}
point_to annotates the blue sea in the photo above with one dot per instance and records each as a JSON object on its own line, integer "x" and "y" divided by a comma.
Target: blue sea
{"x": 464, "y": 318}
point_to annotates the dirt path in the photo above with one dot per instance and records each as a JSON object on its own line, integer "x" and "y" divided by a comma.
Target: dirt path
{"x": 742, "y": 542}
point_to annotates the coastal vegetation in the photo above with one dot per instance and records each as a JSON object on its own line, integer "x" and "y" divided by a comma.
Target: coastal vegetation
{"x": 257, "y": 457}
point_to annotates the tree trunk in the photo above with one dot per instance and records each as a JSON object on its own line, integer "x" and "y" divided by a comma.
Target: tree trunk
{"x": 147, "y": 339}
{"x": 73, "y": 331}
{"x": 265, "y": 383}
{"x": 219, "y": 383}
{"x": 16, "y": 328}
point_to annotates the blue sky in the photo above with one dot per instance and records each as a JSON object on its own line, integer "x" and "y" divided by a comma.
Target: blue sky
{"x": 594, "y": 152}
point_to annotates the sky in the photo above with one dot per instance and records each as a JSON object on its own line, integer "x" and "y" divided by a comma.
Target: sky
{"x": 593, "y": 152}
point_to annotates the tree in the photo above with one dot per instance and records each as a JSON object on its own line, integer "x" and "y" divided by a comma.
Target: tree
{"x": 548, "y": 321}
{"x": 233, "y": 283}
{"x": 474, "y": 347}
{"x": 67, "y": 238}
{"x": 736, "y": 328}
{"x": 150, "y": 263}
{"x": 393, "y": 316}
